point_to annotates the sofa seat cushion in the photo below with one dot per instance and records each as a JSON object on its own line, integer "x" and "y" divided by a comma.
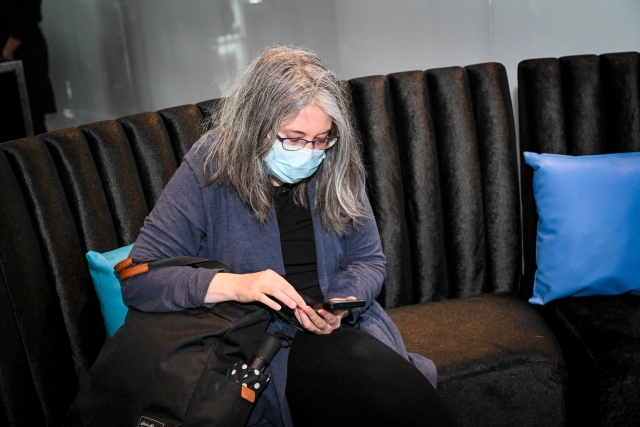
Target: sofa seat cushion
{"x": 600, "y": 339}
{"x": 495, "y": 356}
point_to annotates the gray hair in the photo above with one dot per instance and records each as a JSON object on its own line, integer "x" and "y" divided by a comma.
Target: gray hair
{"x": 277, "y": 85}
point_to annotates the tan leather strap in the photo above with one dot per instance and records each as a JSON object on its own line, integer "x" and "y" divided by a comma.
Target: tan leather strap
{"x": 125, "y": 263}
{"x": 248, "y": 394}
{"x": 134, "y": 271}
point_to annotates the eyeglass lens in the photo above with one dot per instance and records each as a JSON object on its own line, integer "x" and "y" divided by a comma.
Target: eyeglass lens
{"x": 298, "y": 143}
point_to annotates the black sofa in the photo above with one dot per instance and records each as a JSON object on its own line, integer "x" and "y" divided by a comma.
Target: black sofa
{"x": 440, "y": 150}
{"x": 582, "y": 105}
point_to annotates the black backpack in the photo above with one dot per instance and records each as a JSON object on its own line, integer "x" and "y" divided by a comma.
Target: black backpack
{"x": 171, "y": 369}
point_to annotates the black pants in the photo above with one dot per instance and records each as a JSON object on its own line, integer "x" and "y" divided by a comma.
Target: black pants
{"x": 350, "y": 378}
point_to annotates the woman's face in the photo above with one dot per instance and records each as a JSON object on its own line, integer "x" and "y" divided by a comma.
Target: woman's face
{"x": 310, "y": 123}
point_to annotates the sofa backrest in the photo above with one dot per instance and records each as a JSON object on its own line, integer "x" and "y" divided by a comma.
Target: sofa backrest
{"x": 62, "y": 194}
{"x": 441, "y": 156}
{"x": 575, "y": 105}
{"x": 440, "y": 152}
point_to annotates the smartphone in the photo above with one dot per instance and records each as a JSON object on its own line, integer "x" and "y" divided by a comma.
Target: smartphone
{"x": 340, "y": 305}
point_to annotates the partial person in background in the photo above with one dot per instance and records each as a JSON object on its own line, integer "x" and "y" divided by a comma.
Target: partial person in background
{"x": 21, "y": 39}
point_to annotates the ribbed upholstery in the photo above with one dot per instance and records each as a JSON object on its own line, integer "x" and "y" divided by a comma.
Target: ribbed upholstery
{"x": 37, "y": 239}
{"x": 153, "y": 152}
{"x": 461, "y": 180}
{"x": 419, "y": 158}
{"x": 61, "y": 194}
{"x": 374, "y": 114}
{"x": 495, "y": 130}
{"x": 119, "y": 174}
{"x": 621, "y": 81}
{"x": 22, "y": 264}
{"x": 438, "y": 157}
{"x": 583, "y": 112}
{"x": 183, "y": 125}
{"x": 63, "y": 249}
{"x": 79, "y": 176}
{"x": 439, "y": 147}
{"x": 582, "y": 105}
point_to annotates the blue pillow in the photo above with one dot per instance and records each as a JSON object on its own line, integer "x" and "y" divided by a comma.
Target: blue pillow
{"x": 107, "y": 286}
{"x": 588, "y": 239}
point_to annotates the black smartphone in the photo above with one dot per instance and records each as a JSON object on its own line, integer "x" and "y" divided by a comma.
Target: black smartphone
{"x": 340, "y": 305}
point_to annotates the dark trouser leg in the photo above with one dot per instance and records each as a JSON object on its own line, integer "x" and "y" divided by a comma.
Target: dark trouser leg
{"x": 350, "y": 378}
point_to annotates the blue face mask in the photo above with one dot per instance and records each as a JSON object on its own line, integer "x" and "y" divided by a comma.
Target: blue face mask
{"x": 293, "y": 166}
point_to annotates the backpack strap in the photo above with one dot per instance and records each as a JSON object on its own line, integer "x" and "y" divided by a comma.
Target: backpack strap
{"x": 133, "y": 266}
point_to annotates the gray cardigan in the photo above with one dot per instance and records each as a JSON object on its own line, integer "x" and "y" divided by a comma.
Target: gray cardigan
{"x": 191, "y": 218}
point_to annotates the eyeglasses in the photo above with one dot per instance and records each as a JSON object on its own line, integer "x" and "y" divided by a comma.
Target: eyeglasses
{"x": 295, "y": 144}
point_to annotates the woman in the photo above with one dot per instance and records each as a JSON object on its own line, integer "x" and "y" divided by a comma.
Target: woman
{"x": 276, "y": 192}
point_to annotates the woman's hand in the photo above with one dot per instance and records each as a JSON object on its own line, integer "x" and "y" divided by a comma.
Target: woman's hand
{"x": 324, "y": 321}
{"x": 253, "y": 287}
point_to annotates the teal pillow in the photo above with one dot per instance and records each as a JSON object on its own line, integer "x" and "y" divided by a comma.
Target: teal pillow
{"x": 588, "y": 240}
{"x": 107, "y": 285}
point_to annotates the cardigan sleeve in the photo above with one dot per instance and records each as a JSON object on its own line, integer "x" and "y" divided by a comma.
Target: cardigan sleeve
{"x": 175, "y": 227}
{"x": 363, "y": 270}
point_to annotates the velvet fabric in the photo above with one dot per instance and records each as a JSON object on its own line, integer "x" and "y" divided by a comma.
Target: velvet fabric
{"x": 121, "y": 182}
{"x": 420, "y": 174}
{"x": 492, "y": 351}
{"x": 78, "y": 174}
{"x": 374, "y": 114}
{"x": 582, "y": 105}
{"x": 20, "y": 262}
{"x": 438, "y": 158}
{"x": 621, "y": 79}
{"x": 29, "y": 288}
{"x": 153, "y": 152}
{"x": 495, "y": 128}
{"x": 603, "y": 356}
{"x": 61, "y": 194}
{"x": 184, "y": 126}
{"x": 58, "y": 235}
{"x": 461, "y": 180}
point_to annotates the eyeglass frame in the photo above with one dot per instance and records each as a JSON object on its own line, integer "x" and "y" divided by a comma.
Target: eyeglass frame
{"x": 306, "y": 141}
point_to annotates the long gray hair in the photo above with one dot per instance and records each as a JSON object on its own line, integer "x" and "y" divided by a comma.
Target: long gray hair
{"x": 277, "y": 85}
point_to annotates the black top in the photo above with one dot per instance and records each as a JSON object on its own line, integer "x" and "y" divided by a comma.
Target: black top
{"x": 298, "y": 244}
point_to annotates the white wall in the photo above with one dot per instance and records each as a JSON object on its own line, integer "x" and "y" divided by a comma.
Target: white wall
{"x": 382, "y": 36}
{"x": 554, "y": 28}
{"x": 111, "y": 58}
